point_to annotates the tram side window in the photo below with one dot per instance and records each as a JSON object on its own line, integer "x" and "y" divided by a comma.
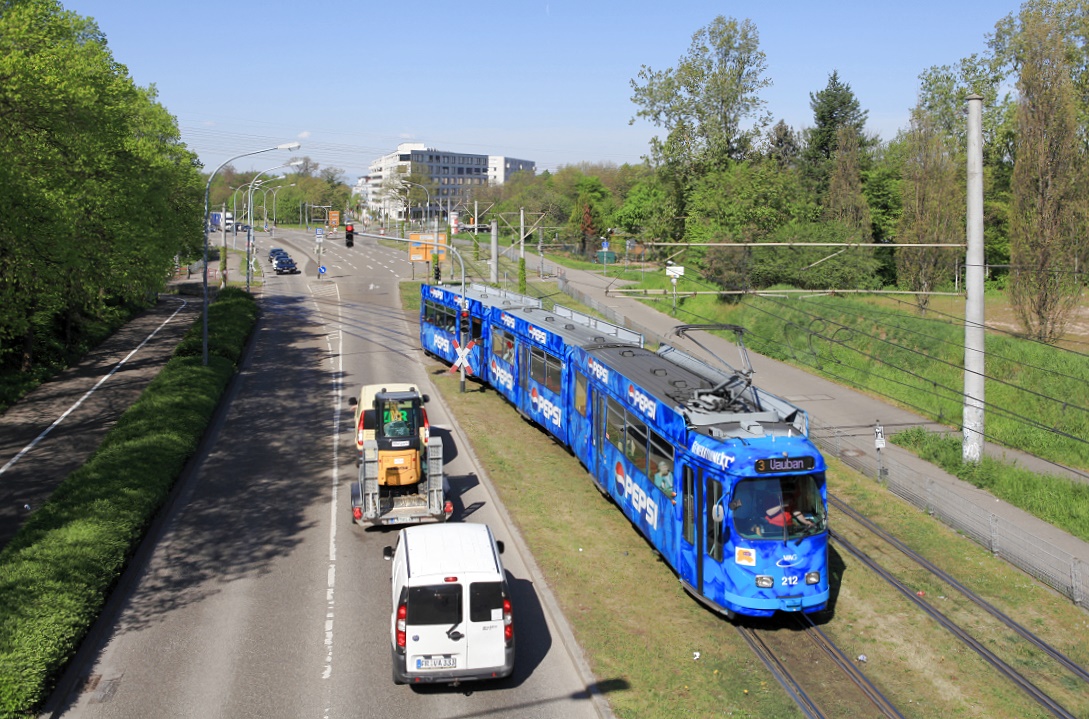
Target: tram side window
{"x": 635, "y": 446}
{"x": 502, "y": 345}
{"x": 714, "y": 529}
{"x": 581, "y": 394}
{"x": 477, "y": 329}
{"x": 661, "y": 462}
{"x": 614, "y": 424}
{"x": 537, "y": 365}
{"x": 553, "y": 372}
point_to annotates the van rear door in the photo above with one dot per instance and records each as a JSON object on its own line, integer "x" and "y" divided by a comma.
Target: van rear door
{"x": 487, "y": 644}
{"x": 435, "y": 629}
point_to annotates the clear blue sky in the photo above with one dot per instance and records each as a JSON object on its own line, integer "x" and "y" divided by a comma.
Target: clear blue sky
{"x": 547, "y": 81}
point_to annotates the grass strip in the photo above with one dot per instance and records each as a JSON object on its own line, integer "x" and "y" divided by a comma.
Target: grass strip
{"x": 58, "y": 570}
{"x": 1056, "y": 500}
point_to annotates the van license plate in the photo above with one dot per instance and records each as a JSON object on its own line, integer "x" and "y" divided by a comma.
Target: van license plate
{"x": 437, "y": 663}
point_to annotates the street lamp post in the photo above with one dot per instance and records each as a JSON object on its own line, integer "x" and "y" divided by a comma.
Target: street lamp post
{"x": 208, "y": 229}
{"x": 427, "y": 212}
{"x": 275, "y": 191}
{"x": 249, "y": 204}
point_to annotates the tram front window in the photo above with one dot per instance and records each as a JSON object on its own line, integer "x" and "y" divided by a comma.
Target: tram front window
{"x": 777, "y": 508}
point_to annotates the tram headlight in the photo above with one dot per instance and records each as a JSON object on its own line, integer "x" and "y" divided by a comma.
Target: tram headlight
{"x": 764, "y": 581}
{"x": 812, "y": 577}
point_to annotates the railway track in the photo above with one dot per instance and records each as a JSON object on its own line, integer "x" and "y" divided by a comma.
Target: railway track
{"x": 840, "y": 689}
{"x": 1020, "y": 680}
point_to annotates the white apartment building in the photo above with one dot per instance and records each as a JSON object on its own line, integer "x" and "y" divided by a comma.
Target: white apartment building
{"x": 454, "y": 176}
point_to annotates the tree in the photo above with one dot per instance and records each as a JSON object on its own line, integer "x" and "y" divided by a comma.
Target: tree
{"x": 1048, "y": 190}
{"x": 308, "y": 168}
{"x": 933, "y": 202}
{"x": 99, "y": 193}
{"x": 845, "y": 203}
{"x": 833, "y": 107}
{"x": 783, "y": 145}
{"x": 704, "y": 102}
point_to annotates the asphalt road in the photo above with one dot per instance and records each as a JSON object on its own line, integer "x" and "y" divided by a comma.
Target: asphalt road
{"x": 259, "y": 597}
{"x": 54, "y": 429}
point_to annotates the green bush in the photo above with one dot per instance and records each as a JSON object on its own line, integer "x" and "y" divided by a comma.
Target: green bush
{"x": 57, "y": 572}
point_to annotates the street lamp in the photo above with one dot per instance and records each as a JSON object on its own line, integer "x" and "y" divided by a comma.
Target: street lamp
{"x": 208, "y": 229}
{"x": 276, "y": 190}
{"x": 249, "y": 204}
{"x": 427, "y": 212}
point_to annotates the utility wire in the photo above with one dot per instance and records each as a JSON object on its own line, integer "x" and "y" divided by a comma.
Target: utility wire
{"x": 947, "y": 363}
{"x": 869, "y": 313}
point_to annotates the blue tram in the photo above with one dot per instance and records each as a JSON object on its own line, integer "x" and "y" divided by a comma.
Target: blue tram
{"x": 719, "y": 476}
{"x": 448, "y": 320}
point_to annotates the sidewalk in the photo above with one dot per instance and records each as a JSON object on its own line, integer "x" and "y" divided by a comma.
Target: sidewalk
{"x": 189, "y": 280}
{"x": 851, "y": 413}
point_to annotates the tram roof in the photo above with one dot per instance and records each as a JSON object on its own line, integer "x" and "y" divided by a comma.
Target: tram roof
{"x": 498, "y": 297}
{"x": 713, "y": 402}
{"x": 573, "y": 330}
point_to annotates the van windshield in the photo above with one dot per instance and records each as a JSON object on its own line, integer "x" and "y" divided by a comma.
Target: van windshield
{"x": 435, "y": 604}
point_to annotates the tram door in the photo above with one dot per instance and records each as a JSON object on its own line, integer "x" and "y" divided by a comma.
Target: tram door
{"x": 702, "y": 527}
{"x": 598, "y": 468}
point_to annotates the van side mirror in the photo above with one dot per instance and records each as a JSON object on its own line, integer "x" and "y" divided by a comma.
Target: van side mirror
{"x": 352, "y": 401}
{"x": 425, "y": 398}
{"x": 502, "y": 547}
{"x": 387, "y": 553}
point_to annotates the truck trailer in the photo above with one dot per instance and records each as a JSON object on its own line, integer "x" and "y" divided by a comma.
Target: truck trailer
{"x": 401, "y": 479}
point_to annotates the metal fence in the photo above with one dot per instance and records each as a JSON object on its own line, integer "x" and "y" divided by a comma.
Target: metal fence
{"x": 1053, "y": 566}
{"x": 1039, "y": 558}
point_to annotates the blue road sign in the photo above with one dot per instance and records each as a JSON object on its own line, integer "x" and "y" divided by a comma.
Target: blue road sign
{"x": 322, "y": 269}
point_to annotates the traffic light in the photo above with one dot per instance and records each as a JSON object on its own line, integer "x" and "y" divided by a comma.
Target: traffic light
{"x": 349, "y": 235}
{"x": 438, "y": 272}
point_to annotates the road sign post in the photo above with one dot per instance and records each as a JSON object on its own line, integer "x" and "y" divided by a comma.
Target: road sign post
{"x": 879, "y": 444}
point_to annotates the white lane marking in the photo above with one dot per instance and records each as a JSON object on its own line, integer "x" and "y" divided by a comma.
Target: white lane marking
{"x": 335, "y": 342}
{"x": 89, "y": 392}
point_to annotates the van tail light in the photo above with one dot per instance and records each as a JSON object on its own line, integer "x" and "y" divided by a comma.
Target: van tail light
{"x": 426, "y": 427}
{"x": 508, "y": 621}
{"x": 402, "y": 613}
{"x": 359, "y": 429}
{"x": 448, "y": 508}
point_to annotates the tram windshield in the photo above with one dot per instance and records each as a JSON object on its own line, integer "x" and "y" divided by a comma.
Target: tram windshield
{"x": 778, "y": 508}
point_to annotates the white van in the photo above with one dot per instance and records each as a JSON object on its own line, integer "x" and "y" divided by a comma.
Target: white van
{"x": 451, "y": 619}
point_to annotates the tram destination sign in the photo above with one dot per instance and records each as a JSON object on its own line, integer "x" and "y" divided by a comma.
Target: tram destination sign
{"x": 784, "y": 464}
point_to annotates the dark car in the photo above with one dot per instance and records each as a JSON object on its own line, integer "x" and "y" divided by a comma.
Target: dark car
{"x": 284, "y": 265}
{"x": 276, "y": 252}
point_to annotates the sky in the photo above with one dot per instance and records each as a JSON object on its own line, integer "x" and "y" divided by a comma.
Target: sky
{"x": 543, "y": 81}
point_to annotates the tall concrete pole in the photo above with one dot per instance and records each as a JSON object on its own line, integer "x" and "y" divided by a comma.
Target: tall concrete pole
{"x": 974, "y": 364}
{"x": 521, "y": 233}
{"x": 494, "y": 277}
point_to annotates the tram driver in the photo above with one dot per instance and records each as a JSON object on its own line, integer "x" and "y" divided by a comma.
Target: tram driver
{"x": 785, "y": 513}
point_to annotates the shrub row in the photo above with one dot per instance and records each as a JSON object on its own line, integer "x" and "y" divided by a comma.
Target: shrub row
{"x": 57, "y": 572}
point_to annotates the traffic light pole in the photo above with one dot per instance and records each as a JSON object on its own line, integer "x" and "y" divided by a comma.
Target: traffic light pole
{"x": 464, "y": 304}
